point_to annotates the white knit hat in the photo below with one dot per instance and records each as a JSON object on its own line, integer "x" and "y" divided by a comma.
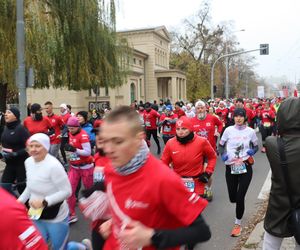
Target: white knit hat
{"x": 41, "y": 138}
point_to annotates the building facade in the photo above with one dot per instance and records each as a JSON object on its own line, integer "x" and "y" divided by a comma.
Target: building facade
{"x": 149, "y": 77}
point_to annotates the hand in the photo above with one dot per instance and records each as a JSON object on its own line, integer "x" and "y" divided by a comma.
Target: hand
{"x": 70, "y": 148}
{"x": 224, "y": 157}
{"x": 204, "y": 177}
{"x": 217, "y": 134}
{"x": 105, "y": 229}
{"x": 136, "y": 235}
{"x": 36, "y": 204}
{"x": 250, "y": 152}
{"x": 8, "y": 155}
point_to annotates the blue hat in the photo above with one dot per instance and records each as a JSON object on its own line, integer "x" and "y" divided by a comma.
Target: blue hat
{"x": 169, "y": 108}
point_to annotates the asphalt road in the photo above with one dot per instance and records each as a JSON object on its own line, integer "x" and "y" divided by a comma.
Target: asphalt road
{"x": 219, "y": 214}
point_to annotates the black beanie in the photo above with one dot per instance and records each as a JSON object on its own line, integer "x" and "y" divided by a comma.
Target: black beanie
{"x": 15, "y": 111}
{"x": 239, "y": 112}
{"x": 84, "y": 114}
{"x": 35, "y": 107}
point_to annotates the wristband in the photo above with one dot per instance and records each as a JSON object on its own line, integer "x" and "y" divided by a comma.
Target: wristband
{"x": 156, "y": 238}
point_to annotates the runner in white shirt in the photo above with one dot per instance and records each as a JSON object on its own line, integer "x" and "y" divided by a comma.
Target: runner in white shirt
{"x": 237, "y": 146}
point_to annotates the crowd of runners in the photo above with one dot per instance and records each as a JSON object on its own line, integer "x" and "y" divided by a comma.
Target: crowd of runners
{"x": 125, "y": 189}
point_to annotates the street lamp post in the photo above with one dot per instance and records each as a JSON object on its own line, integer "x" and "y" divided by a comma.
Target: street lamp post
{"x": 20, "y": 76}
{"x": 224, "y": 56}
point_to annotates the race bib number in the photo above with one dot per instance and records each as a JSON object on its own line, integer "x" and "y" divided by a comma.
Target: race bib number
{"x": 238, "y": 168}
{"x": 147, "y": 124}
{"x": 35, "y": 214}
{"x": 189, "y": 184}
{"x": 74, "y": 157}
{"x": 267, "y": 124}
{"x": 167, "y": 129}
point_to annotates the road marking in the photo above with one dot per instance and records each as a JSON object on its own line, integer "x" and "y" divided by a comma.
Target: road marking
{"x": 265, "y": 190}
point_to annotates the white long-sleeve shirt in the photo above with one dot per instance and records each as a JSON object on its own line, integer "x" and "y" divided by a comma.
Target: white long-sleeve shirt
{"x": 47, "y": 180}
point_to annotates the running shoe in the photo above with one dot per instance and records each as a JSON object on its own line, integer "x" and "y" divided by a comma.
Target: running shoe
{"x": 87, "y": 243}
{"x": 72, "y": 219}
{"x": 208, "y": 195}
{"x": 236, "y": 231}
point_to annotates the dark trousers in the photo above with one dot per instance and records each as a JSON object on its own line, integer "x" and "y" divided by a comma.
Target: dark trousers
{"x": 265, "y": 132}
{"x": 153, "y": 132}
{"x": 237, "y": 185}
{"x": 15, "y": 172}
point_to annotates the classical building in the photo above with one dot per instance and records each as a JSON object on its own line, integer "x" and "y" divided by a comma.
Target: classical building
{"x": 149, "y": 79}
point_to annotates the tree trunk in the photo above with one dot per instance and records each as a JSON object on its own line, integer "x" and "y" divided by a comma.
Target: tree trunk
{"x": 3, "y": 95}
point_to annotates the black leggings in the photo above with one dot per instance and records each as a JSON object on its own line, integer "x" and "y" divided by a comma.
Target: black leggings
{"x": 237, "y": 185}
{"x": 153, "y": 132}
{"x": 265, "y": 132}
{"x": 15, "y": 172}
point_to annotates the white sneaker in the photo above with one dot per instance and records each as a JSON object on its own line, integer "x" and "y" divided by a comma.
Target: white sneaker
{"x": 87, "y": 243}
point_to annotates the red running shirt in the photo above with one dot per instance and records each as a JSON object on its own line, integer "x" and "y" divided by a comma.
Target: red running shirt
{"x": 57, "y": 123}
{"x": 153, "y": 195}
{"x": 34, "y": 127}
{"x": 17, "y": 231}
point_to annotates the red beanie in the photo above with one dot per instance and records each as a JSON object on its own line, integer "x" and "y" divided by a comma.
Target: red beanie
{"x": 184, "y": 122}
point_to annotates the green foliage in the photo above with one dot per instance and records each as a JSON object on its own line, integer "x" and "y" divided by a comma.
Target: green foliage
{"x": 69, "y": 43}
{"x": 198, "y": 81}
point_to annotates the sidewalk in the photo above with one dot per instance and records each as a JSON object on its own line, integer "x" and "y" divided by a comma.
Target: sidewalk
{"x": 255, "y": 240}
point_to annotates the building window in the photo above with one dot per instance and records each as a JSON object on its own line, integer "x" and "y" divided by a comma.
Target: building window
{"x": 140, "y": 62}
{"x": 134, "y": 60}
{"x": 141, "y": 87}
{"x": 106, "y": 91}
{"x": 132, "y": 92}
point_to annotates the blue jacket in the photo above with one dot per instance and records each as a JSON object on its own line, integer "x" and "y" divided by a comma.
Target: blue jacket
{"x": 87, "y": 127}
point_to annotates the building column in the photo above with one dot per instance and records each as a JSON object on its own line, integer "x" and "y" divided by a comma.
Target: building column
{"x": 174, "y": 89}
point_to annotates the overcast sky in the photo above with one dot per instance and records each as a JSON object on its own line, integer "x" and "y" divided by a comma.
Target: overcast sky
{"x": 265, "y": 21}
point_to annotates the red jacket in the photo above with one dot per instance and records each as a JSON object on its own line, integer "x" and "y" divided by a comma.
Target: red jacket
{"x": 34, "y": 126}
{"x": 187, "y": 159}
{"x": 206, "y": 128}
{"x": 223, "y": 114}
{"x": 267, "y": 117}
{"x": 179, "y": 112}
{"x": 17, "y": 231}
{"x": 57, "y": 123}
{"x": 167, "y": 127}
{"x": 150, "y": 119}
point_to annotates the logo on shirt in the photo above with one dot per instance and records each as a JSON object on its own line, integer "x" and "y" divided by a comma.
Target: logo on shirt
{"x": 129, "y": 203}
{"x": 175, "y": 152}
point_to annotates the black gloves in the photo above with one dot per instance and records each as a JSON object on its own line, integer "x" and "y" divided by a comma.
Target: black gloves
{"x": 204, "y": 177}
{"x": 8, "y": 155}
{"x": 70, "y": 148}
{"x": 98, "y": 186}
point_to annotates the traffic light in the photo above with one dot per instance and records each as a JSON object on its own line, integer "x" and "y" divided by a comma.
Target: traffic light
{"x": 264, "y": 49}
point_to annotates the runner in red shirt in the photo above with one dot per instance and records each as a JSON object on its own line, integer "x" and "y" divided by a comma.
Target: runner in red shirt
{"x": 209, "y": 127}
{"x": 178, "y": 110}
{"x": 36, "y": 123}
{"x": 56, "y": 123}
{"x": 150, "y": 120}
{"x": 65, "y": 115}
{"x": 222, "y": 112}
{"x": 267, "y": 122}
{"x": 187, "y": 152}
{"x": 151, "y": 208}
{"x": 206, "y": 125}
{"x": 17, "y": 231}
{"x": 168, "y": 123}
{"x": 81, "y": 161}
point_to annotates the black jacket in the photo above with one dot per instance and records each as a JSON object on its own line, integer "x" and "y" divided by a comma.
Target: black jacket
{"x": 14, "y": 137}
{"x": 279, "y": 207}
